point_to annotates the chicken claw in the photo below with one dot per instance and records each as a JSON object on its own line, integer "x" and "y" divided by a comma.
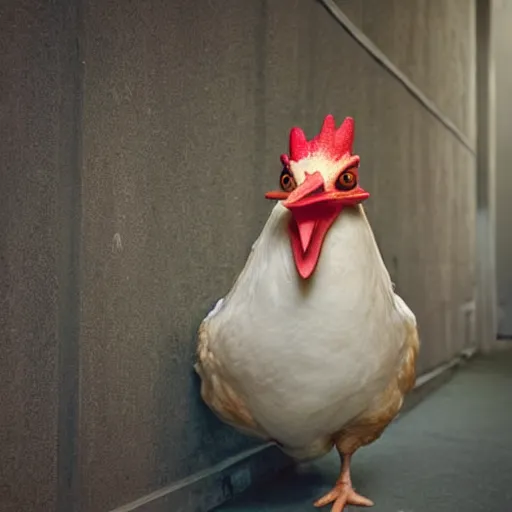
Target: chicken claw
{"x": 343, "y": 494}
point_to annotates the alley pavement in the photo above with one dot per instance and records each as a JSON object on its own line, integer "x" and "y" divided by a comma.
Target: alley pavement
{"x": 451, "y": 453}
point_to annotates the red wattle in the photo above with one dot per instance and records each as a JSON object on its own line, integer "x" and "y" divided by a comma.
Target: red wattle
{"x": 310, "y": 224}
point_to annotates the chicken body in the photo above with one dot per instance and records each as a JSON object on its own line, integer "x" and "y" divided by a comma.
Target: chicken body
{"x": 311, "y": 363}
{"x": 311, "y": 347}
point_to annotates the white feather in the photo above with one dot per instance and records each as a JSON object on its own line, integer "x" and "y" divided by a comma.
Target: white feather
{"x": 308, "y": 356}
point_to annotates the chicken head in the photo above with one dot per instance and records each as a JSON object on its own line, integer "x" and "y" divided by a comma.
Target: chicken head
{"x": 319, "y": 178}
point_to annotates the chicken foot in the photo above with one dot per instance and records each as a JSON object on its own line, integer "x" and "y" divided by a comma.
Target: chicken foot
{"x": 343, "y": 493}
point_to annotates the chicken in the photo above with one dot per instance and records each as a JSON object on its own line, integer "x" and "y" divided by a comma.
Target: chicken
{"x": 312, "y": 348}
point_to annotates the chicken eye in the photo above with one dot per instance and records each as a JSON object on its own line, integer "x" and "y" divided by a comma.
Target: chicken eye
{"x": 346, "y": 181}
{"x": 287, "y": 181}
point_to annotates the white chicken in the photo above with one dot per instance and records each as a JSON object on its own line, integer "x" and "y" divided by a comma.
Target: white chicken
{"x": 312, "y": 348}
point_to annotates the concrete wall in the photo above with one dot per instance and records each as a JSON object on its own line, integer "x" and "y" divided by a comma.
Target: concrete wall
{"x": 39, "y": 271}
{"x": 138, "y": 139}
{"x": 503, "y": 77}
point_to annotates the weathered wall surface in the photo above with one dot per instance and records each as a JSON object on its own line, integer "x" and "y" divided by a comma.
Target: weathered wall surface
{"x": 186, "y": 109}
{"x": 39, "y": 212}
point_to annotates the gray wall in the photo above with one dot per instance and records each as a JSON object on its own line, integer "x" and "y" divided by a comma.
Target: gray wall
{"x": 503, "y": 76}
{"x": 40, "y": 219}
{"x": 137, "y": 141}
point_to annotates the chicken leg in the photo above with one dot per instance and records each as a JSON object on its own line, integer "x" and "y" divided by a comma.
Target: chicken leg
{"x": 369, "y": 426}
{"x": 343, "y": 493}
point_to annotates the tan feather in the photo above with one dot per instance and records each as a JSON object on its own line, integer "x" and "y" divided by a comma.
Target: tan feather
{"x": 369, "y": 426}
{"x": 218, "y": 394}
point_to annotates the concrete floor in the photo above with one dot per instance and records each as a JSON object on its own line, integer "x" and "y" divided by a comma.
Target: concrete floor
{"x": 451, "y": 453}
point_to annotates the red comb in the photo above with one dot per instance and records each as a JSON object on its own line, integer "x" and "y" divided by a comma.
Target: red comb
{"x": 333, "y": 143}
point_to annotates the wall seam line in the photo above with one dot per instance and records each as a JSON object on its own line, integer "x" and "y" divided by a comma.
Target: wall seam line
{"x": 368, "y": 45}
{"x": 68, "y": 490}
{"x": 191, "y": 479}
